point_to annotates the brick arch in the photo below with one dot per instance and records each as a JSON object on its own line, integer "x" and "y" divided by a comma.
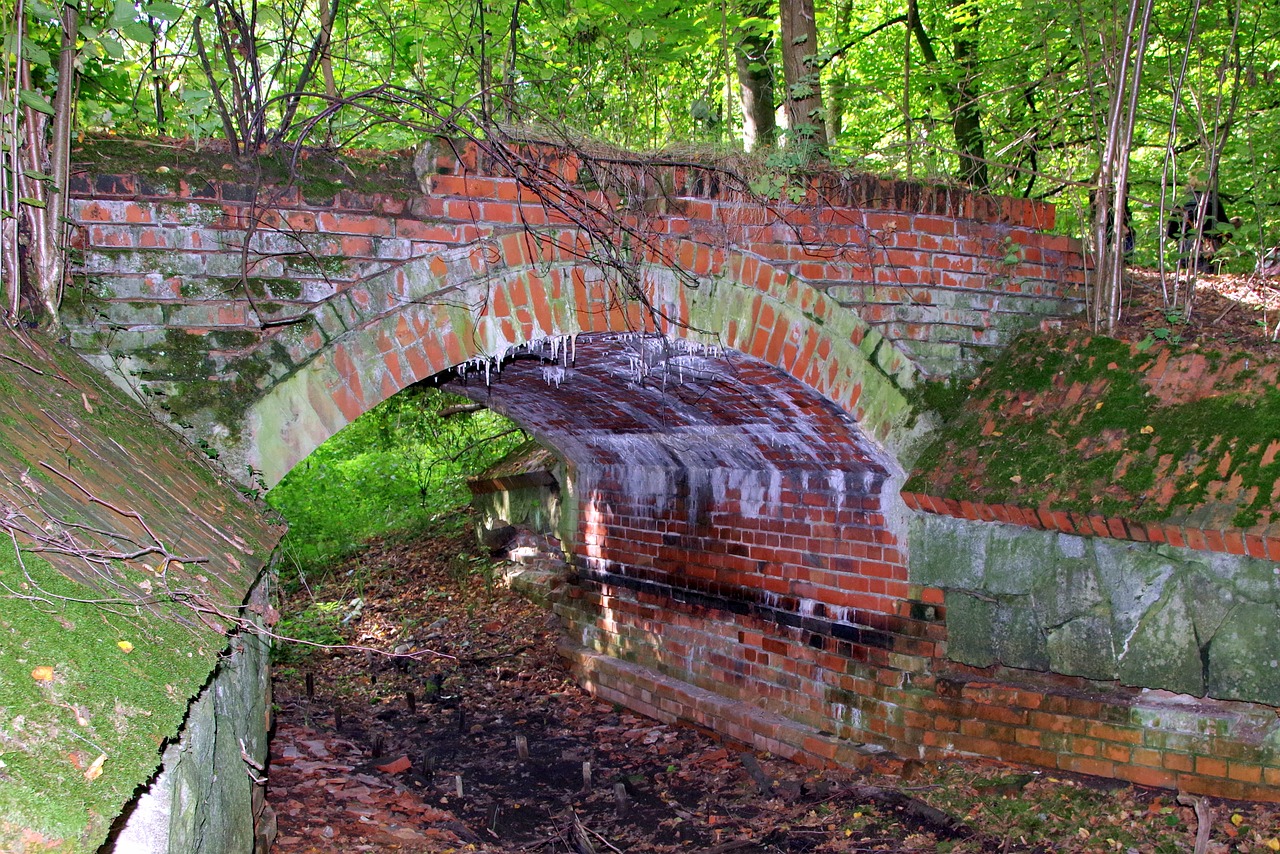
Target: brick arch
{"x": 475, "y": 304}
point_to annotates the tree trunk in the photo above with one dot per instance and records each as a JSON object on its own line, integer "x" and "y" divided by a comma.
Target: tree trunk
{"x": 966, "y": 115}
{"x": 961, "y": 98}
{"x": 755, "y": 78}
{"x": 800, "y": 68}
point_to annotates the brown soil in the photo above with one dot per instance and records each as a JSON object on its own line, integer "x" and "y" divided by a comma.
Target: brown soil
{"x": 357, "y": 766}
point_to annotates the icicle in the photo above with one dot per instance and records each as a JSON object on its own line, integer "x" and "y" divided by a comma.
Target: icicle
{"x": 553, "y": 375}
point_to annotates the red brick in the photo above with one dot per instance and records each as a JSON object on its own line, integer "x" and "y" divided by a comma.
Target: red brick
{"x": 1145, "y": 776}
{"x": 1211, "y": 766}
{"x": 1214, "y": 541}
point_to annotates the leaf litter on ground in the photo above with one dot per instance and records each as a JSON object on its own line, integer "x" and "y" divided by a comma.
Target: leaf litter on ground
{"x": 481, "y": 741}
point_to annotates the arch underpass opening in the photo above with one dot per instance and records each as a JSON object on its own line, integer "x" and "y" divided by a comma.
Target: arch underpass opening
{"x": 725, "y": 523}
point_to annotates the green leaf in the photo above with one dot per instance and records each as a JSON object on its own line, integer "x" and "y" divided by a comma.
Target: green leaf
{"x": 635, "y": 38}
{"x": 41, "y": 12}
{"x": 167, "y": 12}
{"x": 35, "y": 53}
{"x": 35, "y": 203}
{"x": 36, "y": 176}
{"x": 36, "y": 101}
{"x": 138, "y": 32}
{"x": 123, "y": 13}
{"x": 111, "y": 47}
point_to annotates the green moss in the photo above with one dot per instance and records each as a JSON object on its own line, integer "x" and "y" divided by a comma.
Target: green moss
{"x": 316, "y": 265}
{"x": 944, "y": 397}
{"x": 1112, "y": 448}
{"x": 233, "y": 339}
{"x": 100, "y": 701}
{"x": 318, "y": 174}
{"x": 183, "y": 360}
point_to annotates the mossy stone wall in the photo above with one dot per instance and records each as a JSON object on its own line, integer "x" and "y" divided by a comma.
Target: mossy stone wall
{"x": 206, "y": 799}
{"x": 1152, "y": 616}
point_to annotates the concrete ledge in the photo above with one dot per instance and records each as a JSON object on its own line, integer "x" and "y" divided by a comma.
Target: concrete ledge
{"x": 1233, "y": 541}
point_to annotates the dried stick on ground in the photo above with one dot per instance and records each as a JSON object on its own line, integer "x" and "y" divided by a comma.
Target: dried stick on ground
{"x": 915, "y": 812}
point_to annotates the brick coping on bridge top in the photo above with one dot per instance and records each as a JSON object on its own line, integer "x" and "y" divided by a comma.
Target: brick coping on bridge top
{"x": 1234, "y": 541}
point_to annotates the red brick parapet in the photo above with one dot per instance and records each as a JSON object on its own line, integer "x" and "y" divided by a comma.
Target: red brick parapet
{"x": 1232, "y": 541}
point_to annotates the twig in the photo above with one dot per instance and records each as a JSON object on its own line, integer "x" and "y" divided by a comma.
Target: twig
{"x": 1204, "y": 819}
{"x": 22, "y": 363}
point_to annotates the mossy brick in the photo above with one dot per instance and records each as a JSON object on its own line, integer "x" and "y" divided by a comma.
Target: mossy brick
{"x": 871, "y": 339}
{"x": 205, "y": 315}
{"x": 134, "y": 314}
{"x": 1161, "y": 651}
{"x": 1243, "y": 660}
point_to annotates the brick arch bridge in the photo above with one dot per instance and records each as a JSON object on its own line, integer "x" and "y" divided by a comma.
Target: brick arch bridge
{"x": 733, "y": 442}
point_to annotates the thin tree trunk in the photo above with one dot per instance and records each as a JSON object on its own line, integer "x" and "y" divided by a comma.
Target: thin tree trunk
{"x": 962, "y": 102}
{"x": 1110, "y": 196}
{"x": 219, "y": 101}
{"x": 755, "y": 79}
{"x": 509, "y": 67}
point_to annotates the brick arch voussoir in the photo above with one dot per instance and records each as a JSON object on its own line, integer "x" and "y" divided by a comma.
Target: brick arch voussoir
{"x": 746, "y": 304}
{"x": 545, "y": 290}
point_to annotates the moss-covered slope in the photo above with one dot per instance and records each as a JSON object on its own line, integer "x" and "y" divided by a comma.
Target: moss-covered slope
{"x": 1102, "y": 426}
{"x": 123, "y": 561}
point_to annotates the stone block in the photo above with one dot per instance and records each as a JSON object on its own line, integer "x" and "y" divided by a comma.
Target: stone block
{"x": 1018, "y": 635}
{"x": 971, "y": 624}
{"x": 1161, "y": 651}
{"x": 1015, "y": 558}
{"x": 946, "y": 553}
{"x": 1134, "y": 578}
{"x": 1067, "y": 589}
{"x": 1083, "y": 647}
{"x": 1243, "y": 661}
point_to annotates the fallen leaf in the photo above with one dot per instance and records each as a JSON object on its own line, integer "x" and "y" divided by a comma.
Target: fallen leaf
{"x": 395, "y": 766}
{"x": 43, "y": 673}
{"x": 94, "y": 771}
{"x": 125, "y": 645}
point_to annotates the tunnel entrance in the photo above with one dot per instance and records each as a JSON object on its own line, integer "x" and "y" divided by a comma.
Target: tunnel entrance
{"x": 707, "y": 476}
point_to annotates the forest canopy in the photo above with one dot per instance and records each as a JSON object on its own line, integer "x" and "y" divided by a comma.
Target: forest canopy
{"x": 1128, "y": 105}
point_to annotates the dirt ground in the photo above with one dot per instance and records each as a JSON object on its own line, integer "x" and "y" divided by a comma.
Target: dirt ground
{"x": 1228, "y": 312}
{"x": 483, "y": 743}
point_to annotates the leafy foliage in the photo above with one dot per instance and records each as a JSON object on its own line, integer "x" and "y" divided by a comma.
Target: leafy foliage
{"x": 400, "y": 466}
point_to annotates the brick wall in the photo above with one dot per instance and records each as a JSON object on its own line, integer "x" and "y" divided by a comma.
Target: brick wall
{"x": 820, "y": 699}
{"x": 721, "y": 576}
{"x": 943, "y": 273}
